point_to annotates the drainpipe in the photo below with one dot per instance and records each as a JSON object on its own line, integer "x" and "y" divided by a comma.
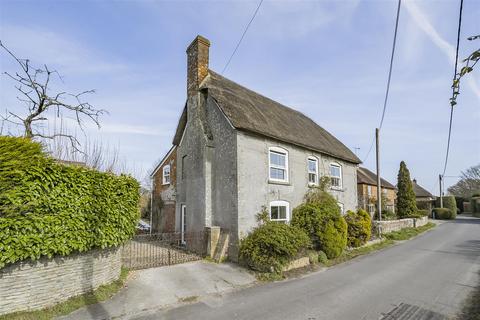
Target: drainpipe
{"x": 151, "y": 203}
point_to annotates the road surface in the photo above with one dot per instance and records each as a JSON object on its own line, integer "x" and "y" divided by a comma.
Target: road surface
{"x": 424, "y": 278}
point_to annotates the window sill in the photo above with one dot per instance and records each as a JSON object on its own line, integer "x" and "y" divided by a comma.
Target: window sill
{"x": 337, "y": 189}
{"x": 165, "y": 184}
{"x": 285, "y": 183}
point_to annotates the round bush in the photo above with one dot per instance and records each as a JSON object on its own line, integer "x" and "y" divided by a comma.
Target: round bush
{"x": 442, "y": 213}
{"x": 324, "y": 224}
{"x": 271, "y": 246}
{"x": 322, "y": 257}
{"x": 449, "y": 203}
{"x": 359, "y": 228}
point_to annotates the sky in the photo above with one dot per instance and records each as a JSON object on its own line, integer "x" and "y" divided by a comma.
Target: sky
{"x": 327, "y": 59}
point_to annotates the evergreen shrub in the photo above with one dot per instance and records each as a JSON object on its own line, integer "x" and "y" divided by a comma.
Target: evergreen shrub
{"x": 359, "y": 228}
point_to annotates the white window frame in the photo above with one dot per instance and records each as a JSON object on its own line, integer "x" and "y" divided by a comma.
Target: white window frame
{"x": 280, "y": 203}
{"x": 371, "y": 208}
{"x": 339, "y": 166}
{"x": 270, "y": 165}
{"x": 369, "y": 191}
{"x": 165, "y": 176}
{"x": 315, "y": 183}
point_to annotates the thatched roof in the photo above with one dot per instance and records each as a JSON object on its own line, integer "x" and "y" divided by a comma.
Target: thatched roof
{"x": 420, "y": 192}
{"x": 252, "y": 112}
{"x": 365, "y": 176}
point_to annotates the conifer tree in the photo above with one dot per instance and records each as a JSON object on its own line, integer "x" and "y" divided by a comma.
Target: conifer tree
{"x": 406, "y": 202}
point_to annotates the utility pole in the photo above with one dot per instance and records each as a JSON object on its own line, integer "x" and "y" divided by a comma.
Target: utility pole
{"x": 440, "y": 182}
{"x": 379, "y": 185}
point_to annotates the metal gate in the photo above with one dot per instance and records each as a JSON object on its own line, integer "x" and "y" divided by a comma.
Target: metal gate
{"x": 163, "y": 249}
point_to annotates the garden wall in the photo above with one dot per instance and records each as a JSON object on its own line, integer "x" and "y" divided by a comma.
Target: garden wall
{"x": 36, "y": 285}
{"x": 395, "y": 225}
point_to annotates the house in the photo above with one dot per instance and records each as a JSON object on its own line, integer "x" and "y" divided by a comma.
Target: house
{"x": 425, "y": 200}
{"x": 238, "y": 152}
{"x": 164, "y": 177}
{"x": 367, "y": 191}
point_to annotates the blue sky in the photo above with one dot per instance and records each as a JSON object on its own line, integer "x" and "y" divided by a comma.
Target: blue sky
{"x": 327, "y": 59}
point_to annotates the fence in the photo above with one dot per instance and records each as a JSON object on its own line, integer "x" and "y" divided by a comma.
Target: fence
{"x": 163, "y": 249}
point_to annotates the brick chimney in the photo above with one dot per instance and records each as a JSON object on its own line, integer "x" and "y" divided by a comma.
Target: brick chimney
{"x": 197, "y": 64}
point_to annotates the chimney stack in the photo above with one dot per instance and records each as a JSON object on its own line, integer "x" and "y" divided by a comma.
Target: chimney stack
{"x": 197, "y": 64}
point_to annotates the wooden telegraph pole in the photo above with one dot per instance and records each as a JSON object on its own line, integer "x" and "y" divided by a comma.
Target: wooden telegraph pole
{"x": 379, "y": 186}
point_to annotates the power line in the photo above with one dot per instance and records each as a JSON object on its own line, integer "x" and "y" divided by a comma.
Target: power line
{"x": 243, "y": 35}
{"x": 389, "y": 77}
{"x": 453, "y": 87}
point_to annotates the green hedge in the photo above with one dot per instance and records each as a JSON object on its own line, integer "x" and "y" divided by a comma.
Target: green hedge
{"x": 449, "y": 203}
{"x": 442, "y": 213}
{"x": 271, "y": 246}
{"x": 48, "y": 209}
{"x": 324, "y": 224}
{"x": 359, "y": 228}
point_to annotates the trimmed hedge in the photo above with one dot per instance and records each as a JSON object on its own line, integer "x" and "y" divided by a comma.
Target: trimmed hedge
{"x": 324, "y": 224}
{"x": 271, "y": 246}
{"x": 442, "y": 213}
{"x": 48, "y": 209}
{"x": 449, "y": 203}
{"x": 359, "y": 228}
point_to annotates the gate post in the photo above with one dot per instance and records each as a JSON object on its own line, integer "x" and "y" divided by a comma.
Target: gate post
{"x": 213, "y": 236}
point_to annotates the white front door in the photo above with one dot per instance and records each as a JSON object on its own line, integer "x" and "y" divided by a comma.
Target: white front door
{"x": 183, "y": 225}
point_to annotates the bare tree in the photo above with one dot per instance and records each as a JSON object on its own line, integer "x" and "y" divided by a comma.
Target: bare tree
{"x": 33, "y": 85}
{"x": 469, "y": 183}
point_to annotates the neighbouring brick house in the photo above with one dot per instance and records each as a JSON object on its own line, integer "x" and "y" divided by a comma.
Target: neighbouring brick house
{"x": 164, "y": 178}
{"x": 239, "y": 151}
{"x": 425, "y": 200}
{"x": 367, "y": 191}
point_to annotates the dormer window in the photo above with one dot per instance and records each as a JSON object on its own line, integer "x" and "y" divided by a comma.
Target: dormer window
{"x": 166, "y": 174}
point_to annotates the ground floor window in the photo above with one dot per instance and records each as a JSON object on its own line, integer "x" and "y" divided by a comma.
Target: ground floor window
{"x": 280, "y": 211}
{"x": 371, "y": 209}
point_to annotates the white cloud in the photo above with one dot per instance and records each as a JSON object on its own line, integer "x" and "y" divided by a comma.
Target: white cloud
{"x": 51, "y": 48}
{"x": 448, "y": 49}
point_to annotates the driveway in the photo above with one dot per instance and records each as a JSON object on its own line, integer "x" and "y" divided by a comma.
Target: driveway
{"x": 165, "y": 287}
{"x": 425, "y": 278}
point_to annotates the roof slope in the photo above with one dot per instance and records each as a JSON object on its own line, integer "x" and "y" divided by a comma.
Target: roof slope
{"x": 420, "y": 191}
{"x": 365, "y": 176}
{"x": 250, "y": 111}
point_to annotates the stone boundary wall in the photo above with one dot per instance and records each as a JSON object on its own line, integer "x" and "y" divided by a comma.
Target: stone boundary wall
{"x": 395, "y": 225}
{"x": 27, "y": 286}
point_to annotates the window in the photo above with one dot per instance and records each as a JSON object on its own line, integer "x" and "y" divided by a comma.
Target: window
{"x": 184, "y": 161}
{"x": 312, "y": 164}
{"x": 336, "y": 176}
{"x": 342, "y": 209}
{"x": 166, "y": 174}
{"x": 280, "y": 211}
{"x": 369, "y": 190}
{"x": 371, "y": 209}
{"x": 278, "y": 164}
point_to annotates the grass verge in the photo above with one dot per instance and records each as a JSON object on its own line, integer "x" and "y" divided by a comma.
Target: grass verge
{"x": 408, "y": 233}
{"x": 350, "y": 254}
{"x": 102, "y": 293}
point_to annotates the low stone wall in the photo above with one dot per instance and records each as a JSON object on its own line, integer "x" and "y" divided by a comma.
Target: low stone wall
{"x": 420, "y": 221}
{"x": 395, "y": 225}
{"x": 27, "y": 286}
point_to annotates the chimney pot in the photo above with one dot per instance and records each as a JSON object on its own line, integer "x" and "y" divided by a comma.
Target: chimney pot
{"x": 197, "y": 64}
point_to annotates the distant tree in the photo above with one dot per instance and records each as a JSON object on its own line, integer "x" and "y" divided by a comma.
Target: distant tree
{"x": 470, "y": 63}
{"x": 406, "y": 201}
{"x": 468, "y": 184}
{"x": 35, "y": 92}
